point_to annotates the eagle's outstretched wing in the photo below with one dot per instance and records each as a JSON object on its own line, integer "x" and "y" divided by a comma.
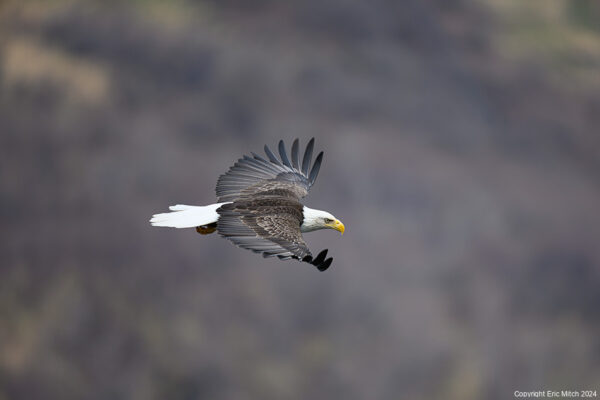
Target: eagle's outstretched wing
{"x": 255, "y": 175}
{"x": 271, "y": 226}
{"x": 263, "y": 213}
{"x": 268, "y": 225}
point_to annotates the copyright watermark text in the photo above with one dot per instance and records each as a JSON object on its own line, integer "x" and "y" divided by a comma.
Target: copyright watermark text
{"x": 556, "y": 394}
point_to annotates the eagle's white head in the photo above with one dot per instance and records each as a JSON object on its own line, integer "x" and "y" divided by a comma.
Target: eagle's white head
{"x": 317, "y": 219}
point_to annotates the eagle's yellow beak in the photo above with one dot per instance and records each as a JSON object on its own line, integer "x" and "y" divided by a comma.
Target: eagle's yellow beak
{"x": 338, "y": 226}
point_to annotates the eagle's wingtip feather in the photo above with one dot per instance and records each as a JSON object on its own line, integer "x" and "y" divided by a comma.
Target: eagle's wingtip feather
{"x": 284, "y": 158}
{"x": 295, "y": 146}
{"x": 307, "y": 156}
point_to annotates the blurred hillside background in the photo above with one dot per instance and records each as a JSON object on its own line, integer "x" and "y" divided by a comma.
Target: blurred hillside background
{"x": 462, "y": 151}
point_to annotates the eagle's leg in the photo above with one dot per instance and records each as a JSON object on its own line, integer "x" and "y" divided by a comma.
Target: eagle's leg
{"x": 206, "y": 229}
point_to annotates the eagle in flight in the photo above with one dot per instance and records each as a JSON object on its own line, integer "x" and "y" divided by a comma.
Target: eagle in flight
{"x": 259, "y": 209}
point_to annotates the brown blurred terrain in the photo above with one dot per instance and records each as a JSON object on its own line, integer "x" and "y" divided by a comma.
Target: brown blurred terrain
{"x": 462, "y": 152}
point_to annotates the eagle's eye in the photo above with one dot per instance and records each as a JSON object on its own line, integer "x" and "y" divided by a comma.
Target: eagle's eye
{"x": 328, "y": 220}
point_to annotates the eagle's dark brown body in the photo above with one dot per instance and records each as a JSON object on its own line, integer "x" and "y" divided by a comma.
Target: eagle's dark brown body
{"x": 273, "y": 219}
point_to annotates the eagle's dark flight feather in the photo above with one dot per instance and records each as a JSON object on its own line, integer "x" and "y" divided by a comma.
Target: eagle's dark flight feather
{"x": 253, "y": 175}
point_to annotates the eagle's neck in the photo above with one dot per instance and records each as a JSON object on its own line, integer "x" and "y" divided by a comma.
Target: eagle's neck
{"x": 313, "y": 219}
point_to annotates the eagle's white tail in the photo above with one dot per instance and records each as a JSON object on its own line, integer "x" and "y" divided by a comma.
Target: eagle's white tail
{"x": 182, "y": 216}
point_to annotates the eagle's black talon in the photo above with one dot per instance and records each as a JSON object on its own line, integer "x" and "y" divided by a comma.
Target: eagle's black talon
{"x": 319, "y": 261}
{"x": 324, "y": 265}
{"x": 320, "y": 258}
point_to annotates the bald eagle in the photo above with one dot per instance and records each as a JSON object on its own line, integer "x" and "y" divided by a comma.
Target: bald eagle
{"x": 258, "y": 207}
